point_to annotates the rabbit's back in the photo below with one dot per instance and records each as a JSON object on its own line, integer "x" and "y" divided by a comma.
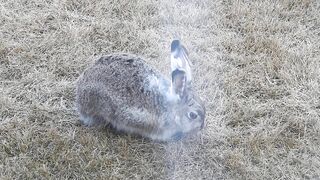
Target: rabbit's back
{"x": 121, "y": 81}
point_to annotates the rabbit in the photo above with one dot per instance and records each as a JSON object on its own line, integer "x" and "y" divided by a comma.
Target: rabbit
{"x": 123, "y": 91}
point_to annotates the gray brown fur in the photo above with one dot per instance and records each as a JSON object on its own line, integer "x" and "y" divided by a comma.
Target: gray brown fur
{"x": 120, "y": 90}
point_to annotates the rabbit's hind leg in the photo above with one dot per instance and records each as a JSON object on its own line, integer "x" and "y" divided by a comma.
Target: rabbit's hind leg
{"x": 94, "y": 106}
{"x": 85, "y": 120}
{"x": 95, "y": 120}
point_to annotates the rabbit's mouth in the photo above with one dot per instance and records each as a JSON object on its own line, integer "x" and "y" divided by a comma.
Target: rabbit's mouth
{"x": 181, "y": 135}
{"x": 177, "y": 136}
{"x": 191, "y": 131}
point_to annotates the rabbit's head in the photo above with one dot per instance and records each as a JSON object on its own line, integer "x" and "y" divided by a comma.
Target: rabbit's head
{"x": 190, "y": 110}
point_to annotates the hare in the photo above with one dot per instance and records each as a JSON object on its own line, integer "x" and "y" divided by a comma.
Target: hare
{"x": 123, "y": 91}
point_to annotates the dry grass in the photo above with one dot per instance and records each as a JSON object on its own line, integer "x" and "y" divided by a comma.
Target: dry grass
{"x": 257, "y": 70}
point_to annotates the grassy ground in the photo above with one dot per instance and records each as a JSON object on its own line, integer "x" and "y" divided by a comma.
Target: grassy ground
{"x": 257, "y": 69}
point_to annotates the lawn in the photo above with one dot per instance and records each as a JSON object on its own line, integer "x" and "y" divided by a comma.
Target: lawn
{"x": 256, "y": 67}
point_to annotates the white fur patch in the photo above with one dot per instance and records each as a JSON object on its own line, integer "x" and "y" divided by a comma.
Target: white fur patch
{"x": 161, "y": 86}
{"x": 88, "y": 121}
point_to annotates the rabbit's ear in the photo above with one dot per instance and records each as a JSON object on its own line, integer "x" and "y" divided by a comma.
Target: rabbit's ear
{"x": 179, "y": 83}
{"x": 180, "y": 59}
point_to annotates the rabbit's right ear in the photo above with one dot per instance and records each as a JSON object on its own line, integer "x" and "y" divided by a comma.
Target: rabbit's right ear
{"x": 180, "y": 59}
{"x": 179, "y": 83}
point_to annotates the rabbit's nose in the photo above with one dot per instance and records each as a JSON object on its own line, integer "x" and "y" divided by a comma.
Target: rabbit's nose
{"x": 202, "y": 124}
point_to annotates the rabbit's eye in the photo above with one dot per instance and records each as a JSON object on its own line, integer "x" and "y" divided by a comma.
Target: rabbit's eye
{"x": 193, "y": 115}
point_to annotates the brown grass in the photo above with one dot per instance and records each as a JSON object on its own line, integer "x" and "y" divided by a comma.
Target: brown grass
{"x": 257, "y": 68}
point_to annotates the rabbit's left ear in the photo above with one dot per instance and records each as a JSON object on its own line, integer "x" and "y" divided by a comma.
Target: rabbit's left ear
{"x": 180, "y": 59}
{"x": 179, "y": 83}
